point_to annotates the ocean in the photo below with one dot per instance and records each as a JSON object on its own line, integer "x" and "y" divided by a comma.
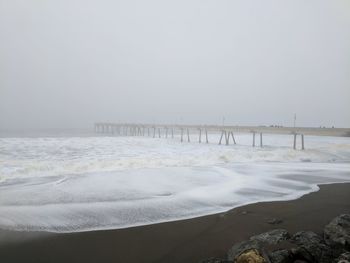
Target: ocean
{"x": 71, "y": 182}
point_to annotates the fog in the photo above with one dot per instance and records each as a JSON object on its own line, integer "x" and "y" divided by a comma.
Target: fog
{"x": 69, "y": 63}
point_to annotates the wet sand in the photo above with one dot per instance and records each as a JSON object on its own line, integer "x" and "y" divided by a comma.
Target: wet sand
{"x": 181, "y": 241}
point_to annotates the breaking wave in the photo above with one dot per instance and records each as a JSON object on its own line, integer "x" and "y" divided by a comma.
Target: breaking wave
{"x": 72, "y": 184}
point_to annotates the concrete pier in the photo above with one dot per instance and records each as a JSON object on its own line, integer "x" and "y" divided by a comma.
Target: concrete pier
{"x": 227, "y": 132}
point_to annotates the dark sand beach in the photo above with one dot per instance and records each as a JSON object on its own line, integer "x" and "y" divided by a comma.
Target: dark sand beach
{"x": 181, "y": 241}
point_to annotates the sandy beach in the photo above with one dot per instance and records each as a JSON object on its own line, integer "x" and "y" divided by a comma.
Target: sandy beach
{"x": 181, "y": 241}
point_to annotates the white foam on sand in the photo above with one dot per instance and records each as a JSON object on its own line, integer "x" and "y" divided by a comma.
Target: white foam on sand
{"x": 81, "y": 184}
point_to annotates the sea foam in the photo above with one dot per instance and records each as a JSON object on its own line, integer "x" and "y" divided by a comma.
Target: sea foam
{"x": 88, "y": 183}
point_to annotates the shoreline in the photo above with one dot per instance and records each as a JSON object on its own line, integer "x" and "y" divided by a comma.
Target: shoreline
{"x": 189, "y": 240}
{"x": 314, "y": 188}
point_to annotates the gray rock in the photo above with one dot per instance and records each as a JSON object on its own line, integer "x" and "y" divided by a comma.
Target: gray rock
{"x": 343, "y": 258}
{"x": 257, "y": 242}
{"x": 272, "y": 237}
{"x": 306, "y": 237}
{"x": 275, "y": 221}
{"x": 251, "y": 256}
{"x": 337, "y": 232}
{"x": 241, "y": 247}
{"x": 311, "y": 247}
{"x": 281, "y": 256}
{"x": 301, "y": 254}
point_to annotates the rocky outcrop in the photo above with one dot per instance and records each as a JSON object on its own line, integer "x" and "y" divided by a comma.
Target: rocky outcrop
{"x": 251, "y": 256}
{"x": 242, "y": 247}
{"x": 257, "y": 243}
{"x": 281, "y": 256}
{"x": 337, "y": 232}
{"x": 343, "y": 258}
{"x": 272, "y": 237}
{"x": 311, "y": 247}
{"x": 302, "y": 247}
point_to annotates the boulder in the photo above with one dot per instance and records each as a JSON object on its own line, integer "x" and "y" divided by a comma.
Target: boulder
{"x": 281, "y": 256}
{"x": 241, "y": 247}
{"x": 250, "y": 256}
{"x": 301, "y": 254}
{"x": 272, "y": 237}
{"x": 337, "y": 232}
{"x": 311, "y": 247}
{"x": 257, "y": 243}
{"x": 343, "y": 258}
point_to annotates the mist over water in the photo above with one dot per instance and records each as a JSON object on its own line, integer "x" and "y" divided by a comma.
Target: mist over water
{"x": 70, "y": 63}
{"x": 68, "y": 184}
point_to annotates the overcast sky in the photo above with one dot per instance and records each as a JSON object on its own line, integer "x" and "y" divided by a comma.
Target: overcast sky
{"x": 69, "y": 63}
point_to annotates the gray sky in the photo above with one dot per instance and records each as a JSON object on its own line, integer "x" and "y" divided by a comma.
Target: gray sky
{"x": 68, "y": 63}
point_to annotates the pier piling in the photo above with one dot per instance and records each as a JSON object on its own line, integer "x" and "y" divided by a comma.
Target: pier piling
{"x": 222, "y": 134}
{"x": 233, "y": 138}
{"x": 137, "y": 129}
{"x": 227, "y": 138}
{"x": 302, "y": 142}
